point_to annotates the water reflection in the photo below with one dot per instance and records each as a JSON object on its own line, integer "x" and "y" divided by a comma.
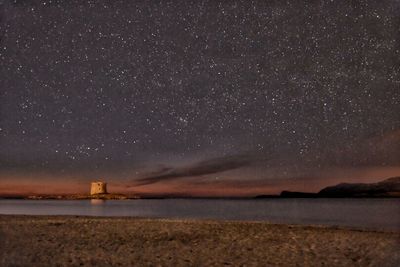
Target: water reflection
{"x": 97, "y": 201}
{"x": 360, "y": 213}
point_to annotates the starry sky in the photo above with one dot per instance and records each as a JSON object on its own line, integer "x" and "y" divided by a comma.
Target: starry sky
{"x": 198, "y": 98}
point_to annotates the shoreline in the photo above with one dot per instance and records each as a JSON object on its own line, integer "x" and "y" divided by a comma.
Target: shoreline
{"x": 202, "y": 220}
{"x": 202, "y": 198}
{"x": 131, "y": 241}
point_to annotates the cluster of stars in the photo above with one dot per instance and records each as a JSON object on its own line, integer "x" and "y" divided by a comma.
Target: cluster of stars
{"x": 126, "y": 81}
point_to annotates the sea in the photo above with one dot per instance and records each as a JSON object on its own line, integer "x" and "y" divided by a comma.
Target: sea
{"x": 360, "y": 213}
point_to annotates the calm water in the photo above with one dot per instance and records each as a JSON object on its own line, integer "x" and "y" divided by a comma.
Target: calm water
{"x": 361, "y": 213}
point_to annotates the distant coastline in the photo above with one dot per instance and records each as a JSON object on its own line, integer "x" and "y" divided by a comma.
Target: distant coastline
{"x": 389, "y": 188}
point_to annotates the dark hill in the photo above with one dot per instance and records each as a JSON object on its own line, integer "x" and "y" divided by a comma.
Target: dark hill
{"x": 386, "y": 188}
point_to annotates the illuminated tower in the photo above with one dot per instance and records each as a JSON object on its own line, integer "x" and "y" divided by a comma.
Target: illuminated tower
{"x": 98, "y": 188}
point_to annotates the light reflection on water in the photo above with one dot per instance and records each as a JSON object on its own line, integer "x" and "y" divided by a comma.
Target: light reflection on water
{"x": 361, "y": 213}
{"x": 97, "y": 201}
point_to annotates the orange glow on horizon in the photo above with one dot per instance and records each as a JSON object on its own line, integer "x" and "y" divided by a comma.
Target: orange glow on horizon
{"x": 42, "y": 184}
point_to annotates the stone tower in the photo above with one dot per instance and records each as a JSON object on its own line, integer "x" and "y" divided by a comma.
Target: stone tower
{"x": 98, "y": 188}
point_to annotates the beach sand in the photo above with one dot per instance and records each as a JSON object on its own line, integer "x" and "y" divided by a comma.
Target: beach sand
{"x": 93, "y": 241}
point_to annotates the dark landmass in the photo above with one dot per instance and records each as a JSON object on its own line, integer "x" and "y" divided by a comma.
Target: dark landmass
{"x": 266, "y": 196}
{"x": 81, "y": 197}
{"x": 12, "y": 197}
{"x": 386, "y": 188}
{"x": 289, "y": 194}
{"x": 116, "y": 197}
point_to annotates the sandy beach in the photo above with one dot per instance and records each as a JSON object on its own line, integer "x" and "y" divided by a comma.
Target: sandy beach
{"x": 93, "y": 241}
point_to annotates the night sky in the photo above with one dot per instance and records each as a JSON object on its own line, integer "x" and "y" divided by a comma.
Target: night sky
{"x": 198, "y": 97}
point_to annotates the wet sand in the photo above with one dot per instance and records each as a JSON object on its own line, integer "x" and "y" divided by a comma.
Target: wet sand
{"x": 93, "y": 241}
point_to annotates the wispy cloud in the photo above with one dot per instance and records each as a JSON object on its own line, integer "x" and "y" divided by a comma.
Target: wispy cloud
{"x": 210, "y": 166}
